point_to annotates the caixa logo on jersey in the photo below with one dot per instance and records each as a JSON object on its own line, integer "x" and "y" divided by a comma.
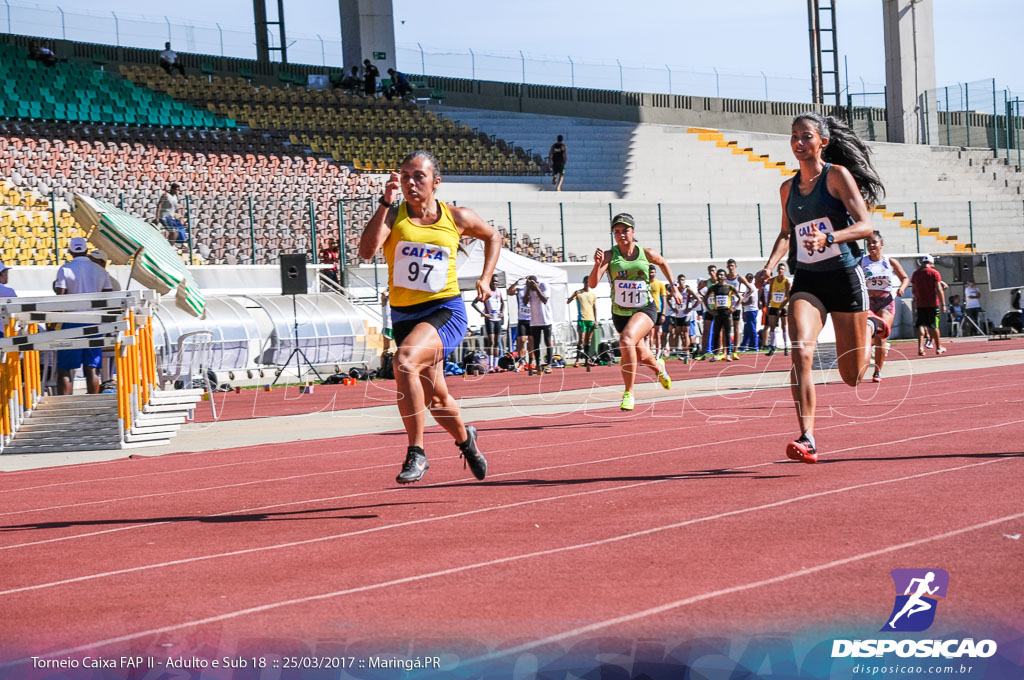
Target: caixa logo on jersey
{"x": 917, "y": 598}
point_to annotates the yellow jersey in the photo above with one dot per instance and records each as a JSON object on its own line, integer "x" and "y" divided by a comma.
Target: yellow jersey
{"x": 421, "y": 258}
{"x": 777, "y": 293}
{"x": 658, "y": 292}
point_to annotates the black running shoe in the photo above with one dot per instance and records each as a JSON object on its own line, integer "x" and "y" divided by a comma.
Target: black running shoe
{"x": 415, "y": 465}
{"x": 471, "y": 454}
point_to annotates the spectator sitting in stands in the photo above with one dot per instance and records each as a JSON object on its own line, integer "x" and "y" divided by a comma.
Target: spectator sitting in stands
{"x": 956, "y": 309}
{"x": 399, "y": 85}
{"x": 169, "y": 60}
{"x": 43, "y": 55}
{"x": 166, "y": 211}
{"x": 330, "y": 255}
{"x": 351, "y": 81}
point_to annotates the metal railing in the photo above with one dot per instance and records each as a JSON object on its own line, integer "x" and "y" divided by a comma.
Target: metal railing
{"x": 256, "y": 230}
{"x": 123, "y": 30}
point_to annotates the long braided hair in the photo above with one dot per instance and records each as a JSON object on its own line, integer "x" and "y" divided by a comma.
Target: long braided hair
{"x": 845, "y": 148}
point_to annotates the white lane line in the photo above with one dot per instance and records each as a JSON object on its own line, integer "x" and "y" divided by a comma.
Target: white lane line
{"x": 676, "y": 604}
{"x": 563, "y": 549}
{"x": 444, "y": 438}
{"x": 503, "y": 474}
{"x": 506, "y": 506}
{"x": 373, "y": 467}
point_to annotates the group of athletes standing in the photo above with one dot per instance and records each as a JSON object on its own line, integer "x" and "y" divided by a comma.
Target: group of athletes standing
{"x": 825, "y": 214}
{"x": 726, "y": 302}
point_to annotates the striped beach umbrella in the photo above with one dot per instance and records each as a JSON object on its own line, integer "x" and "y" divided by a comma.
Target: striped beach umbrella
{"x": 126, "y": 238}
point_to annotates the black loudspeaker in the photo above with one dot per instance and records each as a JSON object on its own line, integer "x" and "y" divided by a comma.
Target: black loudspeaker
{"x": 293, "y": 274}
{"x": 963, "y": 268}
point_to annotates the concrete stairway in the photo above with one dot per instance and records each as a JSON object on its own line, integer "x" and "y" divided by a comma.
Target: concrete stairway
{"x": 89, "y": 422}
{"x": 730, "y": 179}
{"x": 598, "y": 149}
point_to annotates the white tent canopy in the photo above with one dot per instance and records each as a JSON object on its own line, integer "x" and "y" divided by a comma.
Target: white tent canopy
{"x": 470, "y": 264}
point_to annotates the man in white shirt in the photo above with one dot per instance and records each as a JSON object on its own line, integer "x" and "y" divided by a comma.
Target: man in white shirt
{"x": 493, "y": 311}
{"x": 540, "y": 320}
{"x": 169, "y": 60}
{"x": 166, "y": 215}
{"x": 80, "y": 275}
{"x": 5, "y": 290}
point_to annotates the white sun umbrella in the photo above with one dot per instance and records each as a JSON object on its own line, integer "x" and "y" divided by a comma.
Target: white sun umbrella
{"x": 126, "y": 238}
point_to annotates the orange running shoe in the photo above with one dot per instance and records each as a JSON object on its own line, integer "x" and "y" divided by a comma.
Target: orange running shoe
{"x": 802, "y": 450}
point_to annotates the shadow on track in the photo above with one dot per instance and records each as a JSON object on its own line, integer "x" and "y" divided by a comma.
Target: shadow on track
{"x": 935, "y": 456}
{"x": 208, "y": 519}
{"x": 701, "y": 474}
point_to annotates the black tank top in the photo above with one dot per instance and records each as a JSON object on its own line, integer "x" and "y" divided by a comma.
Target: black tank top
{"x": 818, "y": 211}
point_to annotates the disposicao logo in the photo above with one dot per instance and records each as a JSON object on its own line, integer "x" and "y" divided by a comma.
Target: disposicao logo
{"x": 917, "y": 593}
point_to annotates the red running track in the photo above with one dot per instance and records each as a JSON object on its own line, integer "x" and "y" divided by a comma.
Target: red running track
{"x": 281, "y": 401}
{"x": 668, "y": 521}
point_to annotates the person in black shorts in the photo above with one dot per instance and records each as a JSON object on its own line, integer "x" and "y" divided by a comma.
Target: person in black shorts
{"x": 557, "y": 156}
{"x": 723, "y": 298}
{"x": 824, "y": 213}
{"x": 493, "y": 311}
{"x": 708, "y": 317}
{"x": 524, "y": 343}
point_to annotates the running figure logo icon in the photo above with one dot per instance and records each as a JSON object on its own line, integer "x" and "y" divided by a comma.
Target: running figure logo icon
{"x": 917, "y": 591}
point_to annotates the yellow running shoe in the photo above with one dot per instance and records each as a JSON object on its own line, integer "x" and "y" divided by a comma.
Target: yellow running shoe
{"x": 627, "y": 401}
{"x": 663, "y": 376}
{"x": 735, "y": 356}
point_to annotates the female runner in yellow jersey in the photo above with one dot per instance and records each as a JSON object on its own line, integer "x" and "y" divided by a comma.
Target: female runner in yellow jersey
{"x": 420, "y": 238}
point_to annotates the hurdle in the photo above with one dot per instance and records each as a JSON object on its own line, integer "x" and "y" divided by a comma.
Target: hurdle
{"x": 32, "y": 421}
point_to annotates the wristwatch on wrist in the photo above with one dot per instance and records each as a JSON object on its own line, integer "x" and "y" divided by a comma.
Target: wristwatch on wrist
{"x": 384, "y": 203}
{"x": 830, "y": 238}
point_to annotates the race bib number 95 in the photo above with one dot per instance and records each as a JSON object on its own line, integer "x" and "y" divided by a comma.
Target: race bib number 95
{"x": 805, "y": 233}
{"x": 631, "y": 294}
{"x": 421, "y": 266}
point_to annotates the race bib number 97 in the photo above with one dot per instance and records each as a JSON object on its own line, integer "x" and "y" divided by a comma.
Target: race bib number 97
{"x": 805, "y": 234}
{"x": 631, "y": 294}
{"x": 421, "y": 266}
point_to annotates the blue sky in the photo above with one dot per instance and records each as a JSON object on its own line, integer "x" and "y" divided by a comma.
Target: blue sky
{"x": 974, "y": 41}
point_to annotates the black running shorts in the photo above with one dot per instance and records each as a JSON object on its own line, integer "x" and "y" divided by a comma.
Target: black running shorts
{"x": 620, "y": 320}
{"x": 839, "y": 290}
